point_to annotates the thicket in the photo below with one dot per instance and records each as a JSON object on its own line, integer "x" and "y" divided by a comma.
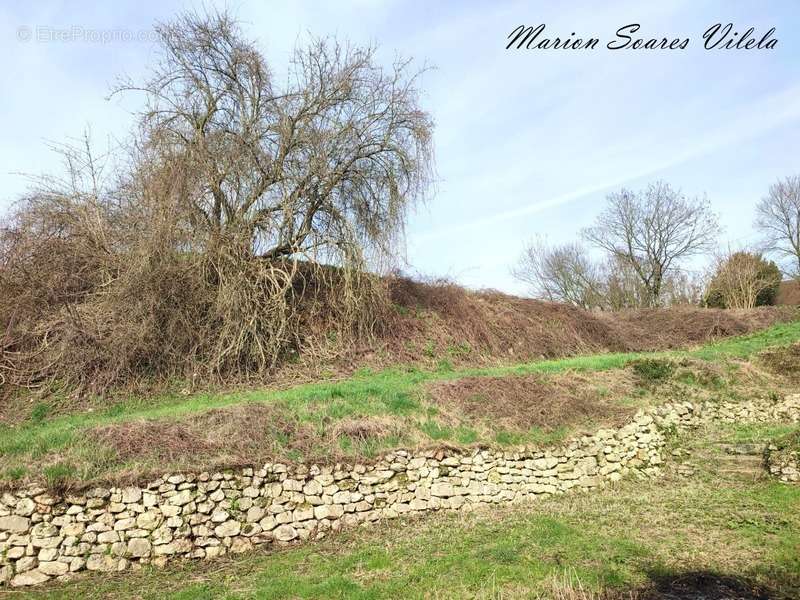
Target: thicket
{"x": 248, "y": 218}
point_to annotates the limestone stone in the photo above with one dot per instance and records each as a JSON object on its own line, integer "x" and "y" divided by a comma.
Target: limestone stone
{"x": 442, "y": 490}
{"x": 29, "y": 578}
{"x": 228, "y": 529}
{"x": 102, "y": 562}
{"x": 14, "y": 523}
{"x": 53, "y": 568}
{"x": 139, "y": 548}
{"x": 328, "y": 511}
{"x": 285, "y": 533}
{"x": 131, "y": 495}
{"x": 25, "y": 507}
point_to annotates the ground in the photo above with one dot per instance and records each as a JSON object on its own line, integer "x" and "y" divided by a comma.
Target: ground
{"x": 713, "y": 526}
{"x": 718, "y": 533}
{"x": 356, "y": 418}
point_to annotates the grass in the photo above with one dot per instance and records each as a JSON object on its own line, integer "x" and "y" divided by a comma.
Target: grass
{"x": 618, "y": 538}
{"x": 61, "y": 443}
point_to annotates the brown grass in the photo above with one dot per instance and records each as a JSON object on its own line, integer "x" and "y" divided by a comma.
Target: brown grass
{"x": 229, "y": 437}
{"x": 450, "y": 322}
{"x": 523, "y": 402}
{"x": 788, "y": 293}
{"x": 783, "y": 361}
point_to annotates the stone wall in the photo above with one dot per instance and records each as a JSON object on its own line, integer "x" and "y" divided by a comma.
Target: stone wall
{"x": 206, "y": 515}
{"x": 782, "y": 459}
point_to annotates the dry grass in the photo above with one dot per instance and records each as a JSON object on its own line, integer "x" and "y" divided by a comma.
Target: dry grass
{"x": 230, "y": 437}
{"x": 542, "y": 401}
{"x": 783, "y": 361}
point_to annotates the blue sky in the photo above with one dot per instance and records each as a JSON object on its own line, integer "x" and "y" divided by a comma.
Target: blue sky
{"x": 527, "y": 143}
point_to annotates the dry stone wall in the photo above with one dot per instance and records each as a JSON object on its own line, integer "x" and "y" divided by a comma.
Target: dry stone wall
{"x": 206, "y": 515}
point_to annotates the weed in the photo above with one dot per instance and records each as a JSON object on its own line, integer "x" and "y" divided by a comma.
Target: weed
{"x": 653, "y": 370}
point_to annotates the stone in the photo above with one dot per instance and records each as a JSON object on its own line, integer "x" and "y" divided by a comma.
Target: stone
{"x": 25, "y": 507}
{"x": 228, "y": 529}
{"x": 102, "y": 562}
{"x": 219, "y": 516}
{"x": 29, "y": 578}
{"x": 312, "y": 488}
{"x": 139, "y": 548}
{"x": 181, "y": 498}
{"x": 328, "y": 511}
{"x": 149, "y": 520}
{"x": 108, "y": 537}
{"x": 162, "y": 535}
{"x": 49, "y": 542}
{"x": 285, "y": 533}
{"x": 131, "y": 495}
{"x": 255, "y": 513}
{"x": 73, "y": 529}
{"x": 123, "y": 524}
{"x": 14, "y": 524}
{"x": 44, "y": 530}
{"x": 47, "y": 554}
{"x": 241, "y": 544}
{"x": 268, "y": 523}
{"x": 53, "y": 568}
{"x": 26, "y": 564}
{"x": 442, "y": 490}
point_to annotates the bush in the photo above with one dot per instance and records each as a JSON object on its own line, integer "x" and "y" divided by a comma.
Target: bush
{"x": 238, "y": 232}
{"x": 653, "y": 370}
{"x": 743, "y": 280}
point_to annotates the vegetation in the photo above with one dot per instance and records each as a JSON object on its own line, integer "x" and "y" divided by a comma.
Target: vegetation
{"x": 778, "y": 219}
{"x": 645, "y": 236}
{"x": 743, "y": 280}
{"x": 246, "y": 224}
{"x": 373, "y": 411}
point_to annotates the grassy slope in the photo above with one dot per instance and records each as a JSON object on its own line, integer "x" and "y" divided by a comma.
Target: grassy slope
{"x": 60, "y": 448}
{"x": 620, "y": 537}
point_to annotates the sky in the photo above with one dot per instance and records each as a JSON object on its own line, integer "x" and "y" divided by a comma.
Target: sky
{"x": 528, "y": 143}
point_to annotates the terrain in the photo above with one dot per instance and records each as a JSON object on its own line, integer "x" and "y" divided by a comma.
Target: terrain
{"x": 459, "y": 368}
{"x": 468, "y": 370}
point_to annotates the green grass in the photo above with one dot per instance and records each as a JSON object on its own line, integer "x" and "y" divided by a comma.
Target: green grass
{"x": 615, "y": 538}
{"x": 395, "y": 393}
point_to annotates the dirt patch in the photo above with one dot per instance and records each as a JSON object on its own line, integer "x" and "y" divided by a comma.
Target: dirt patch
{"x": 526, "y": 401}
{"x": 783, "y": 361}
{"x": 157, "y": 440}
{"x": 236, "y": 435}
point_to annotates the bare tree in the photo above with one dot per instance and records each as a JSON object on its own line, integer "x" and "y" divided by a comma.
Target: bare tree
{"x": 335, "y": 155}
{"x": 778, "y": 218}
{"x": 622, "y": 288}
{"x": 242, "y": 228}
{"x": 563, "y": 273}
{"x": 653, "y": 231}
{"x": 743, "y": 280}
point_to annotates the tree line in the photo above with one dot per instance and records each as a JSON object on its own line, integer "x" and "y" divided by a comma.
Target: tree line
{"x": 636, "y": 253}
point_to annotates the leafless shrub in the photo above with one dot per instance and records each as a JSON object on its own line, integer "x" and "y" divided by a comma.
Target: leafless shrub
{"x": 245, "y": 224}
{"x": 743, "y": 280}
{"x": 563, "y": 273}
{"x": 567, "y": 273}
